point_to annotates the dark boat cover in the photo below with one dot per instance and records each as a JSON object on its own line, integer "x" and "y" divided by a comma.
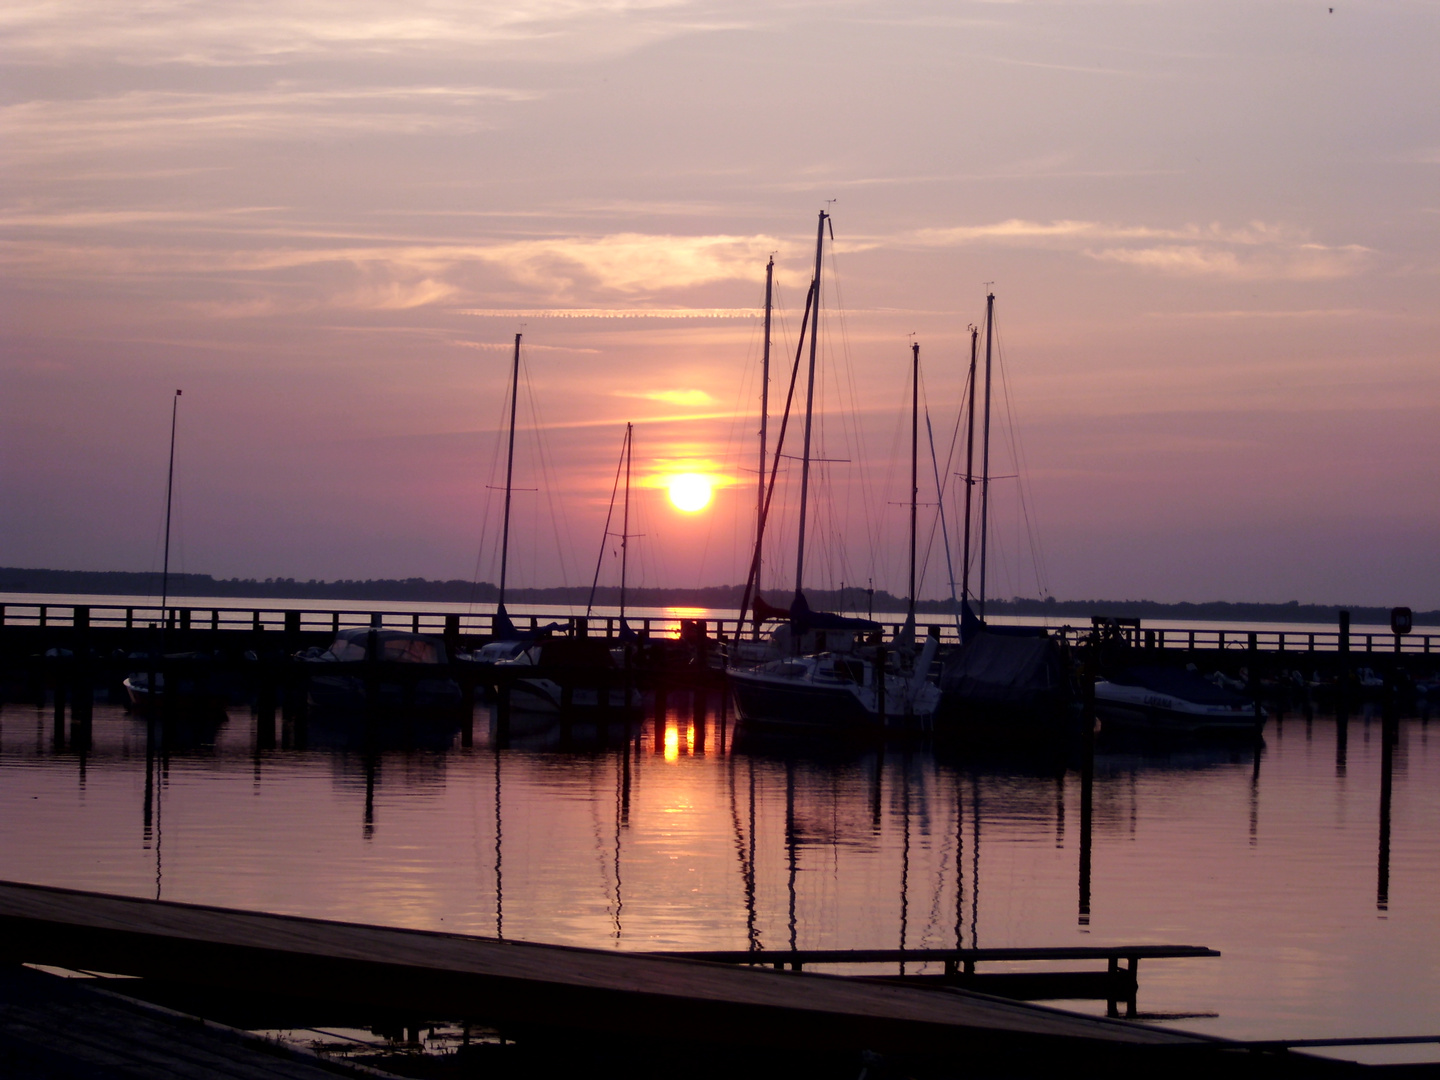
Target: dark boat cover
{"x": 804, "y": 620}
{"x": 1004, "y": 670}
{"x": 1179, "y": 683}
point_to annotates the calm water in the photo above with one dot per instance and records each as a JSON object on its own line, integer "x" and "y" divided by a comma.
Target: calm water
{"x": 677, "y": 841}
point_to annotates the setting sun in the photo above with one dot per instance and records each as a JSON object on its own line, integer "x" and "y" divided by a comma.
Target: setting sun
{"x": 691, "y": 492}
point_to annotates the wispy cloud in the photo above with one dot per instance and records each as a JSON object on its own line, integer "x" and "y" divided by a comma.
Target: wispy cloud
{"x": 685, "y": 398}
{"x": 267, "y": 31}
{"x": 567, "y": 277}
{"x": 1256, "y": 251}
{"x": 146, "y": 119}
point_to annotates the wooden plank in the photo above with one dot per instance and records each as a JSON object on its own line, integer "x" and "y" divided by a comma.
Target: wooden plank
{"x": 519, "y": 983}
{"x": 52, "y": 1027}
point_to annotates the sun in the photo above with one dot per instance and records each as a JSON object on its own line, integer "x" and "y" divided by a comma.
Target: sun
{"x": 691, "y": 492}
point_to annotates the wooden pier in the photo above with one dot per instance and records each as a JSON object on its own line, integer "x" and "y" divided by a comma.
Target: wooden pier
{"x": 552, "y": 992}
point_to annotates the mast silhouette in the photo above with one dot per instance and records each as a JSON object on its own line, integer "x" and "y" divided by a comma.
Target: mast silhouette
{"x": 969, "y": 470}
{"x": 509, "y": 474}
{"x": 985, "y": 467}
{"x": 914, "y": 460}
{"x": 625, "y": 520}
{"x": 169, "y": 493}
{"x": 809, "y": 402}
{"x": 764, "y": 416}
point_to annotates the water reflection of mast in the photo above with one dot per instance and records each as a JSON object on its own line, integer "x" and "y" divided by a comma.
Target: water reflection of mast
{"x": 959, "y": 862}
{"x": 747, "y": 861}
{"x": 975, "y": 862}
{"x": 791, "y": 845}
{"x": 499, "y": 892}
{"x": 904, "y": 855}
{"x": 622, "y": 784}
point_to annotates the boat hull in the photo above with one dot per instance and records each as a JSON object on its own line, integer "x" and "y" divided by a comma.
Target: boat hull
{"x": 769, "y": 701}
{"x": 1141, "y": 708}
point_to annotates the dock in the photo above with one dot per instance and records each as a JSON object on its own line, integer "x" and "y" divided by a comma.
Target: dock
{"x": 605, "y": 998}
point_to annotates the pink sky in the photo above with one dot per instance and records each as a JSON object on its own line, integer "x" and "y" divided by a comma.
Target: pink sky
{"x": 1212, "y": 233}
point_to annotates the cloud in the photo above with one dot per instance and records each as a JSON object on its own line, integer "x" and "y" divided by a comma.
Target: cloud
{"x": 372, "y": 275}
{"x": 685, "y": 398}
{"x": 275, "y": 31}
{"x": 45, "y": 128}
{"x": 1256, "y": 251}
{"x": 1308, "y": 262}
{"x": 614, "y": 313}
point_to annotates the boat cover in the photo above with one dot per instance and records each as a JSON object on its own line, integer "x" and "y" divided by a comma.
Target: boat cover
{"x": 1002, "y": 669}
{"x": 804, "y": 620}
{"x": 1179, "y": 683}
{"x": 971, "y": 624}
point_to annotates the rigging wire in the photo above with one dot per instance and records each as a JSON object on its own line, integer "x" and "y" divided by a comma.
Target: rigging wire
{"x": 1037, "y": 554}
{"x": 605, "y": 536}
{"x": 490, "y": 489}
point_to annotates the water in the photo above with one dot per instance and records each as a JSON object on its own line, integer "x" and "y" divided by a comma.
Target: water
{"x": 680, "y": 842}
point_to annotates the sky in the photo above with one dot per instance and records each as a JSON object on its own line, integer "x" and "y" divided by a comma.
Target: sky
{"x": 1211, "y": 231}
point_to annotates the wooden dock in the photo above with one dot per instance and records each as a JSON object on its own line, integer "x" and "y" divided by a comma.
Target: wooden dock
{"x": 596, "y": 994}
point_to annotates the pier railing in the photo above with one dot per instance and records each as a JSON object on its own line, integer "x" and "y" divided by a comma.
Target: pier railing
{"x": 479, "y": 625}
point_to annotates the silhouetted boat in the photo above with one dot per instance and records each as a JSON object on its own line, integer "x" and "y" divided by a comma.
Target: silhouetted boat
{"x": 849, "y": 686}
{"x": 585, "y": 666}
{"x": 351, "y": 692}
{"x": 1003, "y": 683}
{"x": 1174, "y": 700}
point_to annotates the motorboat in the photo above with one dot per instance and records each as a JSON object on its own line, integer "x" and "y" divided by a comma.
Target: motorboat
{"x": 348, "y": 691}
{"x": 1174, "y": 700}
{"x": 837, "y": 691}
{"x": 583, "y": 666}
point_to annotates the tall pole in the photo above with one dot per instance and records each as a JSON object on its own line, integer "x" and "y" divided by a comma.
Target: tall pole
{"x": 764, "y": 415}
{"x": 985, "y": 468}
{"x": 509, "y": 471}
{"x": 914, "y": 459}
{"x": 969, "y": 469}
{"x": 625, "y": 525}
{"x": 809, "y": 401}
{"x": 169, "y": 493}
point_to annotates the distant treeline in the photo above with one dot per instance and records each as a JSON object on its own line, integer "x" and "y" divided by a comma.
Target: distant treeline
{"x": 423, "y": 590}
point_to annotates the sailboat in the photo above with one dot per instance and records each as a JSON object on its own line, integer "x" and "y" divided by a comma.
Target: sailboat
{"x": 199, "y": 689}
{"x": 506, "y": 642}
{"x": 586, "y": 665}
{"x": 841, "y": 685}
{"x": 1010, "y": 675}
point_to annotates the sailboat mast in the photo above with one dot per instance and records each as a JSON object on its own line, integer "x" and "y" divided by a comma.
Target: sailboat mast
{"x": 914, "y": 461}
{"x": 969, "y": 469}
{"x": 764, "y": 414}
{"x": 809, "y": 401}
{"x": 509, "y": 470}
{"x": 169, "y": 492}
{"x": 625, "y": 520}
{"x": 985, "y": 467}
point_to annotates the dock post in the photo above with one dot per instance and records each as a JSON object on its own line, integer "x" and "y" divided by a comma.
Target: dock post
{"x": 880, "y": 683}
{"x": 698, "y": 718}
{"x": 567, "y": 710}
{"x": 1087, "y": 785}
{"x": 467, "y": 710}
{"x": 660, "y": 704}
{"x": 59, "y": 728}
{"x": 502, "y": 712}
{"x": 1342, "y": 686}
{"x": 292, "y": 631}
